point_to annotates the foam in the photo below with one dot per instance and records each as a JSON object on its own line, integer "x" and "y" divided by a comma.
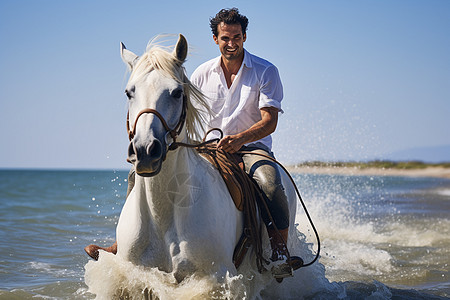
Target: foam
{"x": 357, "y": 244}
{"x": 50, "y": 269}
{"x": 126, "y": 279}
{"x": 443, "y": 192}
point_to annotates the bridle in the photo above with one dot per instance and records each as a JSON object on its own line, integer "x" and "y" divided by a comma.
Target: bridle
{"x": 174, "y": 133}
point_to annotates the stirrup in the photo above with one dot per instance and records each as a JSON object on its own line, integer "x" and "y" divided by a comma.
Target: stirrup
{"x": 286, "y": 269}
{"x": 282, "y": 269}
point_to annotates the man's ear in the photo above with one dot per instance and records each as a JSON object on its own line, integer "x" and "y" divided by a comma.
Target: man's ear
{"x": 216, "y": 40}
{"x": 244, "y": 37}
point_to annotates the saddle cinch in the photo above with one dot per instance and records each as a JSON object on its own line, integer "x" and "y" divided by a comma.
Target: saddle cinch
{"x": 246, "y": 194}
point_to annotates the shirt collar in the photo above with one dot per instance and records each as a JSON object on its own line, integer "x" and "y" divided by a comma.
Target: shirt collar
{"x": 247, "y": 61}
{"x": 217, "y": 66}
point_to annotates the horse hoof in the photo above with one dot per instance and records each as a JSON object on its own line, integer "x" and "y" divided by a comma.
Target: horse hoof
{"x": 92, "y": 251}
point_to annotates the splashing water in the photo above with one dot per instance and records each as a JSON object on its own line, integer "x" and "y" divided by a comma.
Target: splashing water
{"x": 382, "y": 238}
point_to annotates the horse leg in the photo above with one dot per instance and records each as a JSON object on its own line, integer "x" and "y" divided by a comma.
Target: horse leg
{"x": 92, "y": 250}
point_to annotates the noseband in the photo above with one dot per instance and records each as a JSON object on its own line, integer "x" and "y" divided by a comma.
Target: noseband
{"x": 173, "y": 132}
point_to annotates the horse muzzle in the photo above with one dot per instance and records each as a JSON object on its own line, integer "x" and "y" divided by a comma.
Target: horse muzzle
{"x": 147, "y": 158}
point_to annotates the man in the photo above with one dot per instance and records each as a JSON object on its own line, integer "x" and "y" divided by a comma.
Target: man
{"x": 244, "y": 93}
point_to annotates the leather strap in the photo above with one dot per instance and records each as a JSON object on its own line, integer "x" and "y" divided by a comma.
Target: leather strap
{"x": 173, "y": 132}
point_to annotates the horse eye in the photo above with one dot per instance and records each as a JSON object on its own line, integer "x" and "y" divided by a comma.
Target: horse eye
{"x": 176, "y": 93}
{"x": 130, "y": 92}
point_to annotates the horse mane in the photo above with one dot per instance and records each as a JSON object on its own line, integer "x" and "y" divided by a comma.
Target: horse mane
{"x": 160, "y": 57}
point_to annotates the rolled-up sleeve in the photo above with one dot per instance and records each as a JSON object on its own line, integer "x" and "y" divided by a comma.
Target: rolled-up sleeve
{"x": 271, "y": 91}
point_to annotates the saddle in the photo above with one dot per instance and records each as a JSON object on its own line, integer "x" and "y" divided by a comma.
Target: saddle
{"x": 245, "y": 193}
{"x": 231, "y": 168}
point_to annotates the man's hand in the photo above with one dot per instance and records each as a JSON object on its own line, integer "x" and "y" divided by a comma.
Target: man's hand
{"x": 230, "y": 143}
{"x": 264, "y": 127}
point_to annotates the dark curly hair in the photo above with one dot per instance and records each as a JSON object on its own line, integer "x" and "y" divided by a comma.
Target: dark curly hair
{"x": 228, "y": 16}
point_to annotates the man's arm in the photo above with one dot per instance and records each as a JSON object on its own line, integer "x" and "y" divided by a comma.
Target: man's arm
{"x": 261, "y": 129}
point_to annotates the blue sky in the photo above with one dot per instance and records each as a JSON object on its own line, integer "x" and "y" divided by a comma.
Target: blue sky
{"x": 361, "y": 78}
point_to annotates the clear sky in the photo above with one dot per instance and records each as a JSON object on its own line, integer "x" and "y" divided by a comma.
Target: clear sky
{"x": 361, "y": 78}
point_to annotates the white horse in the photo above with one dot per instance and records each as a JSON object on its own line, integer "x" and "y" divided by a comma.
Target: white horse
{"x": 179, "y": 217}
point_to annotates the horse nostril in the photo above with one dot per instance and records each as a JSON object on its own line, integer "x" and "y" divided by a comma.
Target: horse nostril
{"x": 131, "y": 153}
{"x": 154, "y": 150}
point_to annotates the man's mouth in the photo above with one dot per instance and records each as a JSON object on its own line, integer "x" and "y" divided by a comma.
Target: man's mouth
{"x": 232, "y": 50}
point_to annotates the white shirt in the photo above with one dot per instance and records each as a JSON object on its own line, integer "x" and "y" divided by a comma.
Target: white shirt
{"x": 235, "y": 109}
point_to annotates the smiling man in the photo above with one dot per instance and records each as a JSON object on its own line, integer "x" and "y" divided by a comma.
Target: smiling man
{"x": 244, "y": 93}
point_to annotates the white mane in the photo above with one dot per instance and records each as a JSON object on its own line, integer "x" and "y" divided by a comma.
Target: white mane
{"x": 161, "y": 58}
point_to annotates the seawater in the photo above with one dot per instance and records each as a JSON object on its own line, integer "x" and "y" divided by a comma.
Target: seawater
{"x": 382, "y": 237}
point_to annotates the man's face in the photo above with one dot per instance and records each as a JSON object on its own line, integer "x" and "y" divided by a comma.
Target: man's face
{"x": 230, "y": 40}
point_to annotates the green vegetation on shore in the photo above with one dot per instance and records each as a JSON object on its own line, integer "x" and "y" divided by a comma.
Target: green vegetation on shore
{"x": 376, "y": 164}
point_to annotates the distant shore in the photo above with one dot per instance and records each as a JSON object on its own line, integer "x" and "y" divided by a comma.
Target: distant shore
{"x": 373, "y": 169}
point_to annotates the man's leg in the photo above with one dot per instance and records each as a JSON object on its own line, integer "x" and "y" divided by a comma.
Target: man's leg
{"x": 92, "y": 250}
{"x": 266, "y": 173}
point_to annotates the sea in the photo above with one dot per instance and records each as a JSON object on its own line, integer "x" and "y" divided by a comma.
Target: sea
{"x": 381, "y": 237}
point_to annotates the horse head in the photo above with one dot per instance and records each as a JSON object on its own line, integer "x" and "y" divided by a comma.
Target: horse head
{"x": 157, "y": 104}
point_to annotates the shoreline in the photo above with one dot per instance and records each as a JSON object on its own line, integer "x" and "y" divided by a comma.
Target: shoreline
{"x": 438, "y": 172}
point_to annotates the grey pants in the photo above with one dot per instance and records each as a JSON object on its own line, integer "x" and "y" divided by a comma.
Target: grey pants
{"x": 267, "y": 175}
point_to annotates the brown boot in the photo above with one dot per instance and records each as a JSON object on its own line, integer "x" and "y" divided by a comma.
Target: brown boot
{"x": 285, "y": 264}
{"x": 92, "y": 250}
{"x": 278, "y": 240}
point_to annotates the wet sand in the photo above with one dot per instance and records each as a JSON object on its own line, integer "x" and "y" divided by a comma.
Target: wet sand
{"x": 426, "y": 172}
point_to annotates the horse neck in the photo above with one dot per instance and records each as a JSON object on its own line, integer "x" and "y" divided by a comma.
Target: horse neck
{"x": 177, "y": 161}
{"x": 156, "y": 190}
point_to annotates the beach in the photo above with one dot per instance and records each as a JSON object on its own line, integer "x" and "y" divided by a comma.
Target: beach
{"x": 437, "y": 172}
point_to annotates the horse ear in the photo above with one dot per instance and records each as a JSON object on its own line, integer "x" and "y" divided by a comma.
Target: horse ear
{"x": 181, "y": 49}
{"x": 128, "y": 57}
